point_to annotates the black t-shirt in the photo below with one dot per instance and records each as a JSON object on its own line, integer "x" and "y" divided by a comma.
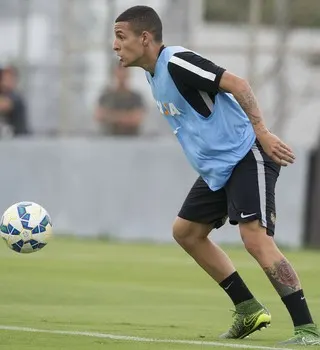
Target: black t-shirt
{"x": 17, "y": 116}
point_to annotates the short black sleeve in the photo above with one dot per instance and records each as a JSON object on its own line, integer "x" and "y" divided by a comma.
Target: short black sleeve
{"x": 190, "y": 69}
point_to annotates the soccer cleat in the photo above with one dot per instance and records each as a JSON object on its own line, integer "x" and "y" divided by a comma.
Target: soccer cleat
{"x": 249, "y": 316}
{"x": 308, "y": 334}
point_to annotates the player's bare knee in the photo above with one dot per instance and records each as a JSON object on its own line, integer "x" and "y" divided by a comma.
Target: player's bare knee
{"x": 254, "y": 247}
{"x": 254, "y": 238}
{"x": 181, "y": 230}
{"x": 188, "y": 233}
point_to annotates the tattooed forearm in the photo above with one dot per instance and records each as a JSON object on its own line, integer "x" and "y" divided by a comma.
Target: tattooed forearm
{"x": 249, "y": 104}
{"x": 283, "y": 277}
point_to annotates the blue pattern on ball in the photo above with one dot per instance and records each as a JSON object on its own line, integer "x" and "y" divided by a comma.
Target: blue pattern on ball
{"x": 12, "y": 230}
{"x": 24, "y": 216}
{"x": 4, "y": 229}
{"x": 17, "y": 246}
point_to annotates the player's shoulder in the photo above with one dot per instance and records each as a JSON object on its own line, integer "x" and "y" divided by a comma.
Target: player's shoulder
{"x": 174, "y": 51}
{"x": 177, "y": 54}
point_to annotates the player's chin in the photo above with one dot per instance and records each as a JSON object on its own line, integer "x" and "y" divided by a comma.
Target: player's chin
{"x": 124, "y": 63}
{"x": 129, "y": 63}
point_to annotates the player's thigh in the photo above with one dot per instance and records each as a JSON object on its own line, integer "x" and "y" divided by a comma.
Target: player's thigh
{"x": 204, "y": 206}
{"x": 251, "y": 190}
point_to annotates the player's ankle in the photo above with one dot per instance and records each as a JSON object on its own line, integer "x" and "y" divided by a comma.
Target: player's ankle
{"x": 252, "y": 305}
{"x": 297, "y": 307}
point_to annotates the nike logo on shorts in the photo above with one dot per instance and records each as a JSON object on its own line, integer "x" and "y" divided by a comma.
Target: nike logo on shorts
{"x": 243, "y": 216}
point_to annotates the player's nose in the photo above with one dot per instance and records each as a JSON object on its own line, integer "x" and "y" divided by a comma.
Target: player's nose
{"x": 115, "y": 45}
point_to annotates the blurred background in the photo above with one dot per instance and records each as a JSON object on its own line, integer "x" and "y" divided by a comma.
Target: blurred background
{"x": 83, "y": 137}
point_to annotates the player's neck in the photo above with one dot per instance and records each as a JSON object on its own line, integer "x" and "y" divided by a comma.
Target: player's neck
{"x": 150, "y": 60}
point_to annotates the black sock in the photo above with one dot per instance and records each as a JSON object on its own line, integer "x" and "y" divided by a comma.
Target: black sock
{"x": 298, "y": 308}
{"x": 236, "y": 288}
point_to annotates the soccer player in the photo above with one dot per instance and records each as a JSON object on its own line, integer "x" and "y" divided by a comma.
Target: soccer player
{"x": 218, "y": 122}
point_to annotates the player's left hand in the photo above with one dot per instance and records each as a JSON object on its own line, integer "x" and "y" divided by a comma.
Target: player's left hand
{"x": 277, "y": 150}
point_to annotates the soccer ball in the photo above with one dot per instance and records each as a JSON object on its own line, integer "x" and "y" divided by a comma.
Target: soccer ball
{"x": 26, "y": 227}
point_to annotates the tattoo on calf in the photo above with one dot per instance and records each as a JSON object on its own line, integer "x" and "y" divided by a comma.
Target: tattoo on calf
{"x": 283, "y": 277}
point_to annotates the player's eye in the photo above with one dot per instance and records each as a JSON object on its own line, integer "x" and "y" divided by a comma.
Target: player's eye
{"x": 120, "y": 36}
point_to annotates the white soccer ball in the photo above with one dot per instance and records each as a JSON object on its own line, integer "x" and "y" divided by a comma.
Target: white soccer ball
{"x": 26, "y": 227}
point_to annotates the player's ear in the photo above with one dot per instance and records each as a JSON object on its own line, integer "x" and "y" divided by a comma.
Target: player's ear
{"x": 145, "y": 38}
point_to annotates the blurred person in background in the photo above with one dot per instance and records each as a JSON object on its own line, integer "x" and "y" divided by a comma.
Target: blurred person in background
{"x": 217, "y": 120}
{"x": 13, "y": 114}
{"x": 120, "y": 110}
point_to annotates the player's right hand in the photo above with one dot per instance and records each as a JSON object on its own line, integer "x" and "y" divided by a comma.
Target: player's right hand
{"x": 276, "y": 149}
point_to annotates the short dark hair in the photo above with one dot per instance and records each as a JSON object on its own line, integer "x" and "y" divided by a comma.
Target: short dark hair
{"x": 143, "y": 18}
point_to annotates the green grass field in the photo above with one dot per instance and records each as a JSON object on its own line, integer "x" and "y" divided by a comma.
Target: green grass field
{"x": 137, "y": 290}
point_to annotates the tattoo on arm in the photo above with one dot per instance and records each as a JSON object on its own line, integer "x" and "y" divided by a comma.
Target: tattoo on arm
{"x": 283, "y": 277}
{"x": 249, "y": 104}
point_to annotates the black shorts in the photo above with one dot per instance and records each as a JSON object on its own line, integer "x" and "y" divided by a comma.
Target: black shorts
{"x": 248, "y": 195}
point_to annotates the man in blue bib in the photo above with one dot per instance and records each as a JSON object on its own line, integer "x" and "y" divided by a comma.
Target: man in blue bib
{"x": 216, "y": 118}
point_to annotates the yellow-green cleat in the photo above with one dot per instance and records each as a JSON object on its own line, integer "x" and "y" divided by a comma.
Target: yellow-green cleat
{"x": 249, "y": 316}
{"x": 308, "y": 334}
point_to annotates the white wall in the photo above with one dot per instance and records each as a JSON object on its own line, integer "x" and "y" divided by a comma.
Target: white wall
{"x": 131, "y": 189}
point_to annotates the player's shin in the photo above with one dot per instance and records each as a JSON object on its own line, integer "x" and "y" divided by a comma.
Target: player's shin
{"x": 286, "y": 282}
